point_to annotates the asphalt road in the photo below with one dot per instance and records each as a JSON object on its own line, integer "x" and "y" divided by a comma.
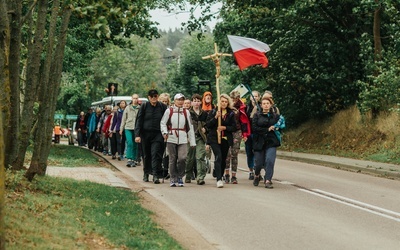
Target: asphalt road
{"x": 310, "y": 207}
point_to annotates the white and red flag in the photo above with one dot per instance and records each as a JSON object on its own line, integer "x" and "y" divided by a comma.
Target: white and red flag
{"x": 248, "y": 51}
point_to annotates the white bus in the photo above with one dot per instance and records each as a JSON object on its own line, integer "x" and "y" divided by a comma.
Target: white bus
{"x": 114, "y": 100}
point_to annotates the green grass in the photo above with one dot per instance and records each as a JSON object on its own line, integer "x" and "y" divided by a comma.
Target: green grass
{"x": 60, "y": 213}
{"x": 71, "y": 156}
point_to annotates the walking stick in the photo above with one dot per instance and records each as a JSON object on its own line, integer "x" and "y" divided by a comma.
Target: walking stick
{"x": 162, "y": 161}
{"x": 216, "y": 57}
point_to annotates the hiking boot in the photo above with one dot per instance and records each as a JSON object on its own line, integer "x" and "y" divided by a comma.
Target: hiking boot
{"x": 220, "y": 184}
{"x": 227, "y": 178}
{"x": 119, "y": 157}
{"x": 201, "y": 182}
{"x": 234, "y": 180}
{"x": 172, "y": 184}
{"x": 113, "y": 157}
{"x": 146, "y": 177}
{"x": 256, "y": 181}
{"x": 137, "y": 163}
{"x": 251, "y": 176}
{"x": 156, "y": 180}
{"x": 268, "y": 184}
{"x": 180, "y": 182}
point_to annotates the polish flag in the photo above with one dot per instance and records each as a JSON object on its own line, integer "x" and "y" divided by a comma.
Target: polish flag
{"x": 248, "y": 51}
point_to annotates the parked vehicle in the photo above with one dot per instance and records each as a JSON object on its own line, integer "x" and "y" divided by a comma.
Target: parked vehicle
{"x": 113, "y": 100}
{"x": 73, "y": 136}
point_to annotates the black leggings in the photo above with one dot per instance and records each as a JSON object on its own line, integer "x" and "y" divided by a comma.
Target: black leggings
{"x": 220, "y": 152}
{"x": 116, "y": 143}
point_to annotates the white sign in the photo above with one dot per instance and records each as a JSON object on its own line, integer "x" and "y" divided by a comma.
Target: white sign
{"x": 242, "y": 90}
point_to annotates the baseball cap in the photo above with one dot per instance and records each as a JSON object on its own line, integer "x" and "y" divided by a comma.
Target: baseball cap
{"x": 178, "y": 96}
{"x": 152, "y": 92}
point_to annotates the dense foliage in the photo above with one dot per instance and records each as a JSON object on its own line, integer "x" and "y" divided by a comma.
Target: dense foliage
{"x": 190, "y": 68}
{"x": 325, "y": 55}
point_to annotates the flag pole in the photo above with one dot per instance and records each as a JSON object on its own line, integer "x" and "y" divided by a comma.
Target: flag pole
{"x": 216, "y": 57}
{"x": 251, "y": 94}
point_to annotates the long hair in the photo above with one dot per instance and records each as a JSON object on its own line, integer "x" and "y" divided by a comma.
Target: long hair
{"x": 230, "y": 102}
{"x": 165, "y": 96}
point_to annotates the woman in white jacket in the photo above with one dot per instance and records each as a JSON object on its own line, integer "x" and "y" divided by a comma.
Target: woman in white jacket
{"x": 177, "y": 129}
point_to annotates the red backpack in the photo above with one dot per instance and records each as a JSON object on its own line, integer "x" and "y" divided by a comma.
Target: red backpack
{"x": 171, "y": 112}
{"x": 106, "y": 126}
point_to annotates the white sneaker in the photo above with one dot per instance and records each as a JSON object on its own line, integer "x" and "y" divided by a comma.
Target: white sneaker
{"x": 220, "y": 184}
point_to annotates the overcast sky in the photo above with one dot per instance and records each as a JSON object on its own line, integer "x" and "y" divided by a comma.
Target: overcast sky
{"x": 168, "y": 20}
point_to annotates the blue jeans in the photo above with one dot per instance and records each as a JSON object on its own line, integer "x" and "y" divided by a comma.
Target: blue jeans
{"x": 81, "y": 138}
{"x": 265, "y": 157}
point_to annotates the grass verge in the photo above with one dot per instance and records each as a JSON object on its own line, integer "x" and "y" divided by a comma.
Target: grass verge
{"x": 59, "y": 213}
{"x": 349, "y": 134}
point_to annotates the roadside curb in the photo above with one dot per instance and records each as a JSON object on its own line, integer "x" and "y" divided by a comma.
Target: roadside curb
{"x": 387, "y": 170}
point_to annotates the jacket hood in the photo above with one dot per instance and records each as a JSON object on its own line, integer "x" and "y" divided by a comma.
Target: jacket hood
{"x": 207, "y": 106}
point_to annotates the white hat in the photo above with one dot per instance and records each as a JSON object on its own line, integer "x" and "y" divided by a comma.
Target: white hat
{"x": 178, "y": 96}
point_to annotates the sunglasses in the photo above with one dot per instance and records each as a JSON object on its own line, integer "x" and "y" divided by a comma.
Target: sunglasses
{"x": 153, "y": 96}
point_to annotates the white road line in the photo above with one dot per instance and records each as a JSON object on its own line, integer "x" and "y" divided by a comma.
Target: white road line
{"x": 285, "y": 183}
{"x": 353, "y": 203}
{"x": 362, "y": 204}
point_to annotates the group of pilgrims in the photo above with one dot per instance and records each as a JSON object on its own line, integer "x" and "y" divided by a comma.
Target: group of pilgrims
{"x": 178, "y": 139}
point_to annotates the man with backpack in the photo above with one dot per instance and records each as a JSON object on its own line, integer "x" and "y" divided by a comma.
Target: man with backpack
{"x": 148, "y": 133}
{"x": 177, "y": 129}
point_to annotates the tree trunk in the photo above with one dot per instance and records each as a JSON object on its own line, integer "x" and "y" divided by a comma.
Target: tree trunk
{"x": 377, "y": 47}
{"x": 377, "y": 33}
{"x": 11, "y": 123}
{"x": 4, "y": 83}
{"x": 44, "y": 121}
{"x": 33, "y": 70}
{"x": 53, "y": 85}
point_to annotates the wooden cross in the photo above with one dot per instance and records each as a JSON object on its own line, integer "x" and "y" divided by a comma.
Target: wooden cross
{"x": 216, "y": 57}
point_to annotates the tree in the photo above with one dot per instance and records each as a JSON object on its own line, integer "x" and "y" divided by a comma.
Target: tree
{"x": 134, "y": 67}
{"x": 190, "y": 67}
{"x": 4, "y": 51}
{"x": 44, "y": 41}
{"x": 49, "y": 90}
{"x": 325, "y": 55}
{"x": 315, "y": 52}
{"x": 379, "y": 89}
{"x": 12, "y": 126}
